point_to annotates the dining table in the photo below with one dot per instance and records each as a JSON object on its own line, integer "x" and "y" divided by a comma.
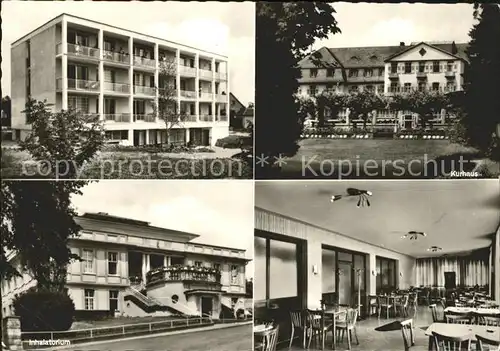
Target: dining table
{"x": 474, "y": 311}
{"x": 260, "y": 331}
{"x": 460, "y": 330}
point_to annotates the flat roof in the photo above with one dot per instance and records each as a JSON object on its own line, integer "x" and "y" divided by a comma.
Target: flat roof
{"x": 110, "y": 25}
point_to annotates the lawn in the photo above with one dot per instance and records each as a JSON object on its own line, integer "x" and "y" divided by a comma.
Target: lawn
{"x": 384, "y": 158}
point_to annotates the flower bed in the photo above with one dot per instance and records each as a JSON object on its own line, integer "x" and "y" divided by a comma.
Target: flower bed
{"x": 422, "y": 134}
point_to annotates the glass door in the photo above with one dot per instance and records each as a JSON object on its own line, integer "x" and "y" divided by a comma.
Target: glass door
{"x": 344, "y": 272}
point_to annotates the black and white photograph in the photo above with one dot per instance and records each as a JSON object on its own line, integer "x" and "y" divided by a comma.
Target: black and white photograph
{"x": 377, "y": 265}
{"x": 105, "y": 90}
{"x": 127, "y": 265}
{"x": 377, "y": 90}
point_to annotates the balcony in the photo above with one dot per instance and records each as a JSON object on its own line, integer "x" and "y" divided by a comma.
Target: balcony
{"x": 222, "y": 118}
{"x": 117, "y": 117}
{"x": 450, "y": 88}
{"x": 144, "y": 62}
{"x": 116, "y": 87}
{"x": 204, "y": 73}
{"x": 205, "y": 95}
{"x": 207, "y": 118}
{"x": 191, "y": 94}
{"x": 393, "y": 75}
{"x": 220, "y": 76}
{"x": 79, "y": 84}
{"x": 80, "y": 51}
{"x": 421, "y": 75}
{"x": 116, "y": 57}
{"x": 186, "y": 274}
{"x": 149, "y": 117}
{"x": 144, "y": 90}
{"x": 187, "y": 71}
{"x": 221, "y": 98}
{"x": 449, "y": 74}
{"x": 189, "y": 118}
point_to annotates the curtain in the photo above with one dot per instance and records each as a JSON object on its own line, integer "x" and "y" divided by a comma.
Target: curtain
{"x": 470, "y": 271}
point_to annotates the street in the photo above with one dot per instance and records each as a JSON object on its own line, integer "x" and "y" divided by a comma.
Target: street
{"x": 228, "y": 339}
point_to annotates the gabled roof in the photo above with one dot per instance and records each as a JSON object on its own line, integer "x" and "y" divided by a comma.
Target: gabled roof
{"x": 324, "y": 54}
{"x": 232, "y": 96}
{"x": 444, "y": 48}
{"x": 248, "y": 112}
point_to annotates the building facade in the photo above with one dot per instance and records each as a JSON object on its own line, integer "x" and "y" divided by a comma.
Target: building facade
{"x": 385, "y": 70}
{"x": 114, "y": 73}
{"x": 131, "y": 268}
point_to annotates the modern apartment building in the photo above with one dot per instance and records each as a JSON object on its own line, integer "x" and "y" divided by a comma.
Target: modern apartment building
{"x": 385, "y": 70}
{"x": 112, "y": 72}
{"x": 131, "y": 268}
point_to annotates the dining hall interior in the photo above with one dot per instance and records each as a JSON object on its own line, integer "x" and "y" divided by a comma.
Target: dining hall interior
{"x": 377, "y": 265}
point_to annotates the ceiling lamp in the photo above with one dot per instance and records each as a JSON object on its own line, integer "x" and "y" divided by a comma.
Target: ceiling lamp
{"x": 361, "y": 194}
{"x": 413, "y": 235}
{"x": 434, "y": 249}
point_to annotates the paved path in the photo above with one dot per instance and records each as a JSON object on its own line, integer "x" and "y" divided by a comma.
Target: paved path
{"x": 237, "y": 338}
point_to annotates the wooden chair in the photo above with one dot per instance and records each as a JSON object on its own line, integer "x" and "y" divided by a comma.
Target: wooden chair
{"x": 403, "y": 305}
{"x": 436, "y": 317}
{"x": 407, "y": 331}
{"x": 484, "y": 344}
{"x": 493, "y": 320}
{"x": 412, "y": 305}
{"x": 447, "y": 343}
{"x": 372, "y": 304}
{"x": 458, "y": 318}
{"x": 271, "y": 338}
{"x": 383, "y": 302}
{"x": 317, "y": 325}
{"x": 348, "y": 326}
{"x": 298, "y": 322}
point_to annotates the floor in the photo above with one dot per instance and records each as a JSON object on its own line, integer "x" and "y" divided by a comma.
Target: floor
{"x": 372, "y": 340}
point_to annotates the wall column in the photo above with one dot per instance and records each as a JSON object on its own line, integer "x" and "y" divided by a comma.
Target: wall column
{"x": 64, "y": 68}
{"x": 131, "y": 84}
{"x": 101, "y": 74}
{"x": 496, "y": 268}
{"x": 197, "y": 84}
{"x": 143, "y": 268}
{"x": 314, "y": 274}
{"x": 178, "y": 79}
{"x": 228, "y": 90}
{"x": 157, "y": 77}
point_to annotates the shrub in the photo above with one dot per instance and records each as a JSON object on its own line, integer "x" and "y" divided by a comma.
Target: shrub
{"x": 44, "y": 310}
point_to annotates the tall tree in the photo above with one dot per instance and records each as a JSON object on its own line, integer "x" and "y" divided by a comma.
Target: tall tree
{"x": 284, "y": 32}
{"x": 424, "y": 103}
{"x": 40, "y": 222}
{"x": 7, "y": 111}
{"x": 331, "y": 102}
{"x": 362, "y": 104}
{"x": 482, "y": 102}
{"x": 63, "y": 141}
{"x": 167, "y": 107}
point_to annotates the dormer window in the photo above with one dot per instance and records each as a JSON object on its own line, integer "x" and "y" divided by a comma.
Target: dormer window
{"x": 355, "y": 58}
{"x": 373, "y": 57}
{"x": 353, "y": 73}
{"x": 313, "y": 72}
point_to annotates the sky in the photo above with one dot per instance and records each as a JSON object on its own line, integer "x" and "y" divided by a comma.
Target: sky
{"x": 221, "y": 212}
{"x": 366, "y": 24}
{"x": 223, "y": 28}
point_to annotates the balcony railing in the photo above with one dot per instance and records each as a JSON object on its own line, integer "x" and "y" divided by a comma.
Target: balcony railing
{"x": 450, "y": 88}
{"x": 117, "y": 87}
{"x": 144, "y": 90}
{"x": 205, "y": 95}
{"x": 80, "y": 84}
{"x": 188, "y": 94}
{"x": 222, "y": 118}
{"x": 204, "y": 73}
{"x": 393, "y": 75}
{"x": 80, "y": 51}
{"x": 117, "y": 117}
{"x": 449, "y": 74}
{"x": 220, "y": 75}
{"x": 116, "y": 57}
{"x": 421, "y": 75}
{"x": 221, "y": 98}
{"x": 206, "y": 118}
{"x": 149, "y": 117}
{"x": 190, "y": 118}
{"x": 144, "y": 62}
{"x": 187, "y": 71}
{"x": 184, "y": 274}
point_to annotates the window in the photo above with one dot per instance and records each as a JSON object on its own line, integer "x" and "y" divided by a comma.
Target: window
{"x": 368, "y": 72}
{"x": 353, "y": 88}
{"x": 313, "y": 72}
{"x": 380, "y": 72}
{"x": 370, "y": 88}
{"x": 78, "y": 103}
{"x": 407, "y": 87}
{"x": 198, "y": 264}
{"x": 113, "y": 300}
{"x": 112, "y": 263}
{"x": 89, "y": 299}
{"x": 449, "y": 66}
{"x": 88, "y": 261}
{"x": 435, "y": 67}
{"x": 421, "y": 67}
{"x": 117, "y": 134}
{"x": 234, "y": 302}
{"x": 435, "y": 86}
{"x": 312, "y": 90}
{"x": 407, "y": 67}
{"x": 234, "y": 275}
{"x": 394, "y": 87}
{"x": 110, "y": 106}
{"x": 329, "y": 86}
{"x": 421, "y": 86}
{"x": 330, "y": 72}
{"x": 394, "y": 67}
{"x": 216, "y": 266}
{"x": 353, "y": 73}
{"x": 386, "y": 274}
{"x": 217, "y": 67}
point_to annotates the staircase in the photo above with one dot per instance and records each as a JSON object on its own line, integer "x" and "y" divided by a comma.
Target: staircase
{"x": 148, "y": 304}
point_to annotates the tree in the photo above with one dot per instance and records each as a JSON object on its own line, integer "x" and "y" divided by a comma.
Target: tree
{"x": 424, "y": 103}
{"x": 40, "y": 223}
{"x": 284, "y": 32}
{"x": 362, "y": 104}
{"x": 167, "y": 107}
{"x": 482, "y": 103}
{"x": 63, "y": 141}
{"x": 306, "y": 109}
{"x": 7, "y": 111}
{"x": 329, "y": 101}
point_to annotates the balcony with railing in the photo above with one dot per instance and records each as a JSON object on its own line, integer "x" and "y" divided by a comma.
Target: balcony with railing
{"x": 220, "y": 76}
{"x": 80, "y": 51}
{"x": 421, "y": 75}
{"x": 112, "y": 87}
{"x": 449, "y": 74}
{"x": 205, "y": 95}
{"x": 144, "y": 62}
{"x": 191, "y": 94}
{"x": 117, "y": 117}
{"x": 222, "y": 118}
{"x": 185, "y": 274}
{"x": 189, "y": 118}
{"x": 187, "y": 71}
{"x": 116, "y": 57}
{"x": 207, "y": 118}
{"x": 148, "y": 117}
{"x": 79, "y": 85}
{"x": 393, "y": 75}
{"x": 221, "y": 98}
{"x": 144, "y": 90}
{"x": 205, "y": 73}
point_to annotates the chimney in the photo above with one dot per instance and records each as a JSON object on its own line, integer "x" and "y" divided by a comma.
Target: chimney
{"x": 454, "y": 49}
{"x": 401, "y": 43}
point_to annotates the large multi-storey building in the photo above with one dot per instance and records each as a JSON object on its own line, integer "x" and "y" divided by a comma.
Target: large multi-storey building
{"x": 131, "y": 268}
{"x": 111, "y": 72}
{"x": 385, "y": 70}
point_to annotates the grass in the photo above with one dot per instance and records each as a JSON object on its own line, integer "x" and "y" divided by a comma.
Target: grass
{"x": 385, "y": 158}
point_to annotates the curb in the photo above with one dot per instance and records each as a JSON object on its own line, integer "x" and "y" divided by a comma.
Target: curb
{"x": 176, "y": 332}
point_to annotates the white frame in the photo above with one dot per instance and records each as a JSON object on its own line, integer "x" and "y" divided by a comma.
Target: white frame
{"x": 116, "y": 262}
{"x": 93, "y": 261}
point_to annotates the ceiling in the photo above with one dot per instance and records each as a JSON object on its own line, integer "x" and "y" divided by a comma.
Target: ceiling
{"x": 456, "y": 215}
